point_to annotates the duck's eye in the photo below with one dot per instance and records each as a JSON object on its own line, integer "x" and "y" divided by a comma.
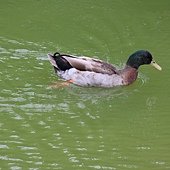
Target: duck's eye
{"x": 153, "y": 62}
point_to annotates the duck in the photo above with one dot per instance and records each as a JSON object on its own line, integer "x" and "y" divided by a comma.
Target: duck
{"x": 86, "y": 71}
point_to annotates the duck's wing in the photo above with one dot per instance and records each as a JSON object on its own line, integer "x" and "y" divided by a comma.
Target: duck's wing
{"x": 90, "y": 64}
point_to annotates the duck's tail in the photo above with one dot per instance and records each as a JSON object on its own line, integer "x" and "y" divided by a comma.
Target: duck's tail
{"x": 59, "y": 62}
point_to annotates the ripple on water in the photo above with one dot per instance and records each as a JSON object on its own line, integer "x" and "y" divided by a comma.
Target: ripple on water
{"x": 25, "y": 50}
{"x": 2, "y": 146}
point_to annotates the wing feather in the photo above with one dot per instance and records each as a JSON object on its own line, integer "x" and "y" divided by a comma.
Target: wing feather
{"x": 90, "y": 64}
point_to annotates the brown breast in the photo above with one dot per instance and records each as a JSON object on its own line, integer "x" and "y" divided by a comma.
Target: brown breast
{"x": 129, "y": 75}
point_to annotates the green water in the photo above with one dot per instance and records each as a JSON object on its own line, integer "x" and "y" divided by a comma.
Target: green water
{"x": 74, "y": 127}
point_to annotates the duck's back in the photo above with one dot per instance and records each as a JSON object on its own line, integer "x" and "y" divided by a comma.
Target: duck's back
{"x": 64, "y": 62}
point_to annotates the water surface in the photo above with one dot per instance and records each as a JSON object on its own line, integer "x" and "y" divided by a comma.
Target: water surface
{"x": 75, "y": 127}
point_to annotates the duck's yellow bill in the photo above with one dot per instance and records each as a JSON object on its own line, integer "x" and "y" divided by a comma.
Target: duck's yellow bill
{"x": 153, "y": 63}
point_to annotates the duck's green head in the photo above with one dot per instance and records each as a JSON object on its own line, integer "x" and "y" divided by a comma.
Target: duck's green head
{"x": 142, "y": 57}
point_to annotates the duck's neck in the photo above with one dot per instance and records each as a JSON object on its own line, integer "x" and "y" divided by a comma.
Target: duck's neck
{"x": 129, "y": 75}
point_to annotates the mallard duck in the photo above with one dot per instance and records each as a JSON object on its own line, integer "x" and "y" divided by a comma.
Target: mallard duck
{"x": 85, "y": 71}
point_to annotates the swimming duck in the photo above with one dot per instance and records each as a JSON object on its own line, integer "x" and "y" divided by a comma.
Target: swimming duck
{"x": 85, "y": 71}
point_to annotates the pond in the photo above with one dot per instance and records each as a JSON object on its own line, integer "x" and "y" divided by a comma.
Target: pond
{"x": 76, "y": 127}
